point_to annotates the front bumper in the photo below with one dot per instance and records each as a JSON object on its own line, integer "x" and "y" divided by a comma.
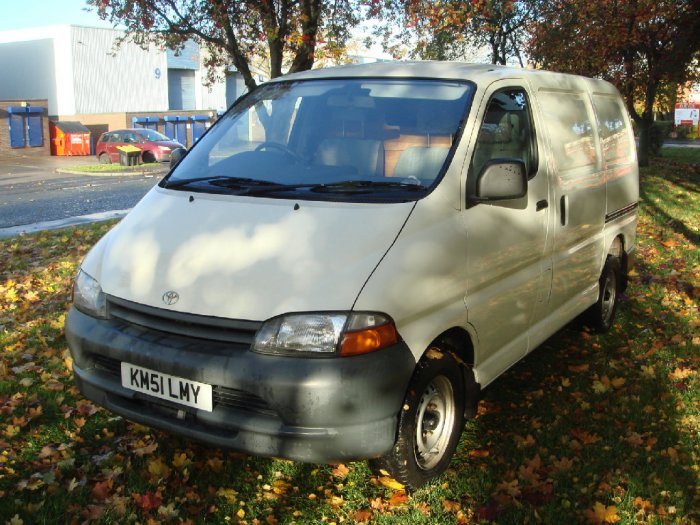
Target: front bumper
{"x": 307, "y": 409}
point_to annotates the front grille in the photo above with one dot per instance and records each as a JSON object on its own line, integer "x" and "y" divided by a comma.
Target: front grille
{"x": 107, "y": 364}
{"x": 239, "y": 399}
{"x": 221, "y": 395}
{"x": 190, "y": 325}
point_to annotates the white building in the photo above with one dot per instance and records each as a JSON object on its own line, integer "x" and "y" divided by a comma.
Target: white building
{"x": 80, "y": 72}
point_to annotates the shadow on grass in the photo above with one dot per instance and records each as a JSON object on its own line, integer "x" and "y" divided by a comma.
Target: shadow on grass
{"x": 582, "y": 420}
{"x": 622, "y": 438}
{"x": 664, "y": 220}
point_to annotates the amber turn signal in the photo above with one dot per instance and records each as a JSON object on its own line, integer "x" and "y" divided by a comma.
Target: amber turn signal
{"x": 369, "y": 339}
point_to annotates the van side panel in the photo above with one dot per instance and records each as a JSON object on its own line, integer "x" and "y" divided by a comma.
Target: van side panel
{"x": 620, "y": 168}
{"x": 507, "y": 252}
{"x": 420, "y": 282}
{"x": 579, "y": 198}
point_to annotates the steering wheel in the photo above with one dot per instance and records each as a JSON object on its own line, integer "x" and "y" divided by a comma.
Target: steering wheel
{"x": 279, "y": 147}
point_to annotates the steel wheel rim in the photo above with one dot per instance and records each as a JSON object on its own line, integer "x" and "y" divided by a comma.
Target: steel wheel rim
{"x": 434, "y": 422}
{"x": 609, "y": 296}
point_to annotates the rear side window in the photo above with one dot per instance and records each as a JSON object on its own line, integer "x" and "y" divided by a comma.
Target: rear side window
{"x": 570, "y": 126}
{"x": 106, "y": 137}
{"x": 131, "y": 138}
{"x": 506, "y": 132}
{"x": 612, "y": 129}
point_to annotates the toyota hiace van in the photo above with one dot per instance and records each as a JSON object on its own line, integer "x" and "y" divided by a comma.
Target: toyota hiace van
{"x": 349, "y": 255}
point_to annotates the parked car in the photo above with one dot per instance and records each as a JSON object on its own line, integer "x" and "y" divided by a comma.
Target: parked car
{"x": 350, "y": 255}
{"x": 155, "y": 146}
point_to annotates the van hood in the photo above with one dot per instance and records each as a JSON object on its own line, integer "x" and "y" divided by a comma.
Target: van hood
{"x": 244, "y": 257}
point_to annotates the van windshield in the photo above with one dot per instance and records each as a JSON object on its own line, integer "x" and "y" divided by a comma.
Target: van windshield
{"x": 341, "y": 139}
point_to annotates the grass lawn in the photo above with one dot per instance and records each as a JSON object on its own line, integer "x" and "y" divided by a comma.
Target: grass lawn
{"x": 587, "y": 429}
{"x": 681, "y": 155}
{"x": 116, "y": 168}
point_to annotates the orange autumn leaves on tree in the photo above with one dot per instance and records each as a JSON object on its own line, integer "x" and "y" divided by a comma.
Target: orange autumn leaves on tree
{"x": 639, "y": 45}
{"x": 453, "y": 29}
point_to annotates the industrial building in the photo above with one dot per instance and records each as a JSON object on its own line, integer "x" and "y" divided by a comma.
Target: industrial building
{"x": 84, "y": 77}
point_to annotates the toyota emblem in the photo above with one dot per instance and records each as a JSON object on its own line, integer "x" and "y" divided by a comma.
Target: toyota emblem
{"x": 171, "y": 297}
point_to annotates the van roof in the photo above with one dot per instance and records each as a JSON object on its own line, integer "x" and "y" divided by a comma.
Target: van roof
{"x": 478, "y": 73}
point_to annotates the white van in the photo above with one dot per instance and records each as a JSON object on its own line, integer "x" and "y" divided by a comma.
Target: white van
{"x": 349, "y": 255}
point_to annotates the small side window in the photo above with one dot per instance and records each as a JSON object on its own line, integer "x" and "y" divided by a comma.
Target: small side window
{"x": 106, "y": 137}
{"x": 570, "y": 130}
{"x": 506, "y": 132}
{"x": 612, "y": 129}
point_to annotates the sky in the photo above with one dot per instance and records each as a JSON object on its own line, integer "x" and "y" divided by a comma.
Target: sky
{"x": 22, "y": 14}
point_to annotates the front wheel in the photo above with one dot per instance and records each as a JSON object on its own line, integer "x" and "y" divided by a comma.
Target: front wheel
{"x": 430, "y": 422}
{"x": 601, "y": 315}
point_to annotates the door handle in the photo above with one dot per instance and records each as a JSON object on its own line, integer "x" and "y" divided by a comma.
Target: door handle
{"x": 541, "y": 205}
{"x": 564, "y": 210}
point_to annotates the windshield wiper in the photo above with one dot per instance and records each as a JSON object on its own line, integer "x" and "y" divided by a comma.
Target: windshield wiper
{"x": 352, "y": 185}
{"x": 219, "y": 180}
{"x": 185, "y": 182}
{"x": 273, "y": 187}
{"x": 262, "y": 187}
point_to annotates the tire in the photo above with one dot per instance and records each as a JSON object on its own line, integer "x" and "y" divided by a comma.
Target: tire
{"x": 430, "y": 423}
{"x": 104, "y": 159}
{"x": 601, "y": 315}
{"x": 148, "y": 157}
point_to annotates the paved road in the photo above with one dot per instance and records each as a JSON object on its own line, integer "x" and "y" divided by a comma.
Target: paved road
{"x": 32, "y": 192}
{"x": 60, "y": 198}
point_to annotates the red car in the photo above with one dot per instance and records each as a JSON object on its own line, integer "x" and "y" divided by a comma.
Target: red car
{"x": 154, "y": 146}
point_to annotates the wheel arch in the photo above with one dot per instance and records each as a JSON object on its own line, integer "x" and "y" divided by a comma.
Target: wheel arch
{"x": 617, "y": 249}
{"x": 148, "y": 155}
{"x": 460, "y": 344}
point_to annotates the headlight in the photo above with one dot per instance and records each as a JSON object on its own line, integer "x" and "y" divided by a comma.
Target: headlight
{"x": 328, "y": 334}
{"x": 164, "y": 148}
{"x": 88, "y": 296}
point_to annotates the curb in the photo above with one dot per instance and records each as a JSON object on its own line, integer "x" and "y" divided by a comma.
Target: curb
{"x": 111, "y": 173}
{"x": 61, "y": 223}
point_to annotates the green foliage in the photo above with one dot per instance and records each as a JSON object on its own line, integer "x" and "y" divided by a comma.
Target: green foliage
{"x": 116, "y": 168}
{"x": 454, "y": 29}
{"x": 660, "y": 131}
{"x": 683, "y": 131}
{"x": 642, "y": 46}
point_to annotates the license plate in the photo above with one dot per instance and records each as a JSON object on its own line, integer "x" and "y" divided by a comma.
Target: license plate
{"x": 164, "y": 386}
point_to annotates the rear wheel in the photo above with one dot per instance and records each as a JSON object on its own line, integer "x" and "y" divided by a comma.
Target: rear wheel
{"x": 430, "y": 423}
{"x": 601, "y": 315}
{"x": 104, "y": 159}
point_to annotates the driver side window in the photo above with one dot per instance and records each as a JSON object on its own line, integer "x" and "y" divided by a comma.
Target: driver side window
{"x": 506, "y": 132}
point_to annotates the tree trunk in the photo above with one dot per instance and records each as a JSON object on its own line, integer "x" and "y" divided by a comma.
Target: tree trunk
{"x": 304, "y": 58}
{"x": 647, "y": 122}
{"x": 494, "y": 49}
{"x": 643, "y": 151}
{"x": 248, "y": 78}
{"x": 276, "y": 57}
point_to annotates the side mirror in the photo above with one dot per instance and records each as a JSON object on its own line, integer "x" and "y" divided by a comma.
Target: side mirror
{"x": 501, "y": 179}
{"x": 176, "y": 156}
